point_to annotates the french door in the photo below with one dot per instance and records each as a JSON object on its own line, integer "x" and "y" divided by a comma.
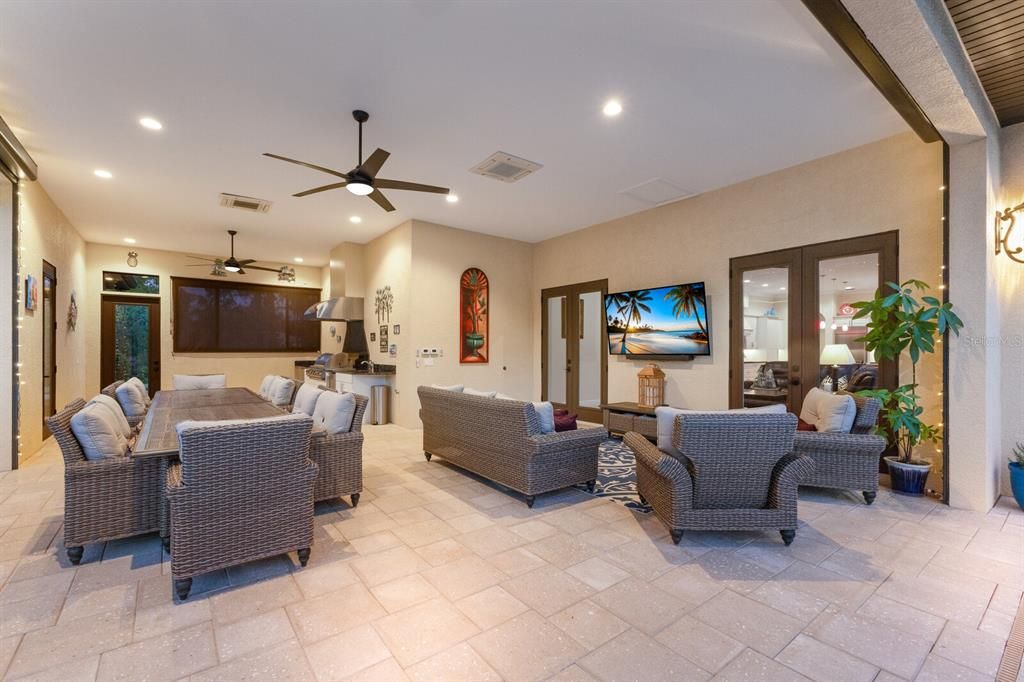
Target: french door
{"x": 791, "y": 321}
{"x": 130, "y": 339}
{"x": 574, "y": 348}
{"x": 49, "y": 303}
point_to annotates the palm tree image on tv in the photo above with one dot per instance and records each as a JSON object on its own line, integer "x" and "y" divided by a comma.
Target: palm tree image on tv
{"x": 665, "y": 321}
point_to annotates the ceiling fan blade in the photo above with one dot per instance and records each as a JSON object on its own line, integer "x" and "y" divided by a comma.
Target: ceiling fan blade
{"x": 258, "y": 267}
{"x": 308, "y": 165}
{"x": 336, "y": 185}
{"x": 240, "y": 271}
{"x": 247, "y": 261}
{"x": 381, "y": 200}
{"x": 208, "y": 260}
{"x": 411, "y": 186}
{"x": 372, "y": 165}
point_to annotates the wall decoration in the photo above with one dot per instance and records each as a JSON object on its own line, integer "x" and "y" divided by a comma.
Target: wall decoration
{"x": 383, "y": 338}
{"x": 31, "y": 293}
{"x": 373, "y": 337}
{"x": 133, "y": 259}
{"x": 73, "y": 312}
{"x": 382, "y": 304}
{"x": 396, "y": 330}
{"x": 474, "y": 314}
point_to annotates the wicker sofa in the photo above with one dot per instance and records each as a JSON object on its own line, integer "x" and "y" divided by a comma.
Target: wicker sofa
{"x": 105, "y": 499}
{"x": 501, "y": 440}
{"x": 729, "y": 472}
{"x": 847, "y": 461}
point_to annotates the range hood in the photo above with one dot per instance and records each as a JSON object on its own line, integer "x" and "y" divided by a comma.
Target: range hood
{"x": 346, "y": 278}
{"x": 340, "y": 309}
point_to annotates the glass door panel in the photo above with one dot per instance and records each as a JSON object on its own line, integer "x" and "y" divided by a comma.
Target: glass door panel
{"x": 130, "y": 339}
{"x": 844, "y": 364}
{"x": 574, "y": 368}
{"x": 591, "y": 353}
{"x": 766, "y": 318}
{"x": 49, "y": 303}
{"x": 556, "y": 364}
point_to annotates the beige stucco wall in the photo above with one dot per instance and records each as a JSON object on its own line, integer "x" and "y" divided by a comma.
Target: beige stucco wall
{"x": 47, "y": 234}
{"x": 242, "y": 369}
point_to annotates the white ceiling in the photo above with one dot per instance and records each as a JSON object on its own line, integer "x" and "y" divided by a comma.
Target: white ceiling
{"x": 714, "y": 93}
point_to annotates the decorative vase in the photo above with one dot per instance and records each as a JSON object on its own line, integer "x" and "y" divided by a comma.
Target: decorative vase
{"x": 474, "y": 342}
{"x": 908, "y": 478}
{"x": 1017, "y": 482}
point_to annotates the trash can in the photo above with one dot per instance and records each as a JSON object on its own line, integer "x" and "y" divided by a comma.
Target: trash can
{"x": 380, "y": 408}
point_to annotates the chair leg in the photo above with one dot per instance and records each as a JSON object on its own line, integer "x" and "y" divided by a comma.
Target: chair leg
{"x": 182, "y": 587}
{"x": 304, "y": 556}
{"x": 355, "y": 500}
{"x": 75, "y": 554}
{"x": 869, "y": 496}
{"x": 427, "y": 455}
{"x": 677, "y": 535}
{"x": 591, "y": 484}
{"x": 530, "y": 499}
{"x": 166, "y": 542}
{"x": 643, "y": 500}
{"x": 788, "y": 536}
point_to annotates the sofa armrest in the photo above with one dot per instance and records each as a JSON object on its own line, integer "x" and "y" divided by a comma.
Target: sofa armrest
{"x": 854, "y": 444}
{"x": 544, "y": 443}
{"x": 664, "y": 466}
{"x": 786, "y": 477}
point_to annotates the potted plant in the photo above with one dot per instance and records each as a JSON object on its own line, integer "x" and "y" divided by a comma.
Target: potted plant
{"x": 1017, "y": 474}
{"x": 898, "y": 323}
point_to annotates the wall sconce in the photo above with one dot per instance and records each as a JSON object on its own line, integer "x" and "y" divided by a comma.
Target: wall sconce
{"x": 1003, "y": 233}
{"x": 133, "y": 258}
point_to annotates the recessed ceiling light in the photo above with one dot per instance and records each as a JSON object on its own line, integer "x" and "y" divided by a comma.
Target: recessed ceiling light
{"x": 848, "y": 288}
{"x": 355, "y": 219}
{"x": 105, "y": 174}
{"x": 298, "y": 259}
{"x": 612, "y": 107}
{"x": 746, "y": 281}
{"x": 150, "y": 123}
{"x": 765, "y": 284}
{"x": 129, "y": 240}
{"x": 782, "y": 288}
{"x": 452, "y": 198}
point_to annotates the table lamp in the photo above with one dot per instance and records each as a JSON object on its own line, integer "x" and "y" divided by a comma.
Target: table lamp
{"x": 836, "y": 354}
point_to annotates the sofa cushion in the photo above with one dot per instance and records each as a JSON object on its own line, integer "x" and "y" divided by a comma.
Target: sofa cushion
{"x": 281, "y": 390}
{"x": 98, "y": 433}
{"x": 305, "y": 399}
{"x": 565, "y": 422}
{"x": 456, "y": 388}
{"x": 829, "y": 412}
{"x": 264, "y": 391}
{"x": 192, "y": 382}
{"x": 483, "y": 394}
{"x": 666, "y": 417}
{"x": 131, "y": 399}
{"x": 115, "y": 409}
{"x": 334, "y": 412}
{"x": 142, "y": 387}
{"x": 546, "y": 412}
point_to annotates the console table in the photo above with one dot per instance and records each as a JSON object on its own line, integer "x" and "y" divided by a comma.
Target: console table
{"x": 622, "y": 417}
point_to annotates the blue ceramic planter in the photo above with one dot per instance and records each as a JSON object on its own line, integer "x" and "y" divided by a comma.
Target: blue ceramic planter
{"x": 906, "y": 478}
{"x": 1017, "y": 482}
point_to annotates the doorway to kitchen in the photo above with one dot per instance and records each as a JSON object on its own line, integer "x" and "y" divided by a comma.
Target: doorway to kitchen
{"x": 130, "y": 340}
{"x": 574, "y": 348}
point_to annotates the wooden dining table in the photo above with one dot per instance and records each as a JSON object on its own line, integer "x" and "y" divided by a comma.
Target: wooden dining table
{"x": 159, "y": 436}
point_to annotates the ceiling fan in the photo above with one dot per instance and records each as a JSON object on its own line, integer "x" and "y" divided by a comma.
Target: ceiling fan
{"x": 221, "y": 266}
{"x": 362, "y": 180}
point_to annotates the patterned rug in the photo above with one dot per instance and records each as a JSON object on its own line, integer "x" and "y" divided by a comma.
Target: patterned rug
{"x": 616, "y": 476}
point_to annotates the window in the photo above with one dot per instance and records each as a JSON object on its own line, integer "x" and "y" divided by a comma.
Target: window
{"x": 233, "y": 317}
{"x": 130, "y": 283}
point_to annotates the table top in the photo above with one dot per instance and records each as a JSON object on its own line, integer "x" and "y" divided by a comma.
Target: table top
{"x": 633, "y": 408}
{"x": 766, "y": 391}
{"x": 159, "y": 437}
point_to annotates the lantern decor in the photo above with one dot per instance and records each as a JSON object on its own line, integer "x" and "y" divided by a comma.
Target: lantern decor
{"x": 652, "y": 386}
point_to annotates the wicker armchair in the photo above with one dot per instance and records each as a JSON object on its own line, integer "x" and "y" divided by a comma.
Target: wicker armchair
{"x": 846, "y": 461}
{"x": 243, "y": 491}
{"x": 501, "y": 440}
{"x": 111, "y": 390}
{"x": 340, "y": 458}
{"x": 105, "y": 499}
{"x": 734, "y": 472}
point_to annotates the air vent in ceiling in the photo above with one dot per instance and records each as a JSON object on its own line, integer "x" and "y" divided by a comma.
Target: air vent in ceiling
{"x": 656, "y": 192}
{"x": 245, "y": 203}
{"x": 505, "y": 167}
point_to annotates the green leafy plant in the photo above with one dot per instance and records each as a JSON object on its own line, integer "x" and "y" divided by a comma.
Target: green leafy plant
{"x": 1018, "y": 455}
{"x": 897, "y": 323}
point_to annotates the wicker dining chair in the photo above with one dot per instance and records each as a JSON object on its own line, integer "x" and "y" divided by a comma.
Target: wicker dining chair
{"x": 105, "y": 499}
{"x": 734, "y": 472}
{"x": 340, "y": 458}
{"x": 111, "y": 390}
{"x": 243, "y": 491}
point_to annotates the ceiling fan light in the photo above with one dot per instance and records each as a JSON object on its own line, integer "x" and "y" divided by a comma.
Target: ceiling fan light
{"x": 359, "y": 188}
{"x": 232, "y": 265}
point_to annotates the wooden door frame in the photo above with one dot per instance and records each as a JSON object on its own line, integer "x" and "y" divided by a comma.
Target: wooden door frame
{"x": 107, "y": 331}
{"x": 571, "y": 293}
{"x": 49, "y": 272}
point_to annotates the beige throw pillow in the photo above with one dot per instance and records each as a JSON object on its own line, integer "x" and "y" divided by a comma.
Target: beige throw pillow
{"x": 829, "y": 412}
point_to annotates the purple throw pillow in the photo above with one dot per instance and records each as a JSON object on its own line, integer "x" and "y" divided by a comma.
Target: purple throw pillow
{"x": 565, "y": 422}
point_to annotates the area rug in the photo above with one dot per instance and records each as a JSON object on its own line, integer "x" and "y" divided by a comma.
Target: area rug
{"x": 616, "y": 476}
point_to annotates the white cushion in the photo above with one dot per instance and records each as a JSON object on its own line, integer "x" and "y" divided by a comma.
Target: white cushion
{"x": 457, "y": 388}
{"x": 193, "y": 382}
{"x": 546, "y": 412}
{"x": 116, "y": 410}
{"x": 305, "y": 399}
{"x": 666, "y": 417}
{"x": 98, "y": 432}
{"x": 334, "y": 412}
{"x": 181, "y": 427}
{"x": 829, "y": 412}
{"x": 502, "y": 396}
{"x": 131, "y": 400}
{"x": 484, "y": 394}
{"x": 142, "y": 387}
{"x": 264, "y": 391}
{"x": 281, "y": 390}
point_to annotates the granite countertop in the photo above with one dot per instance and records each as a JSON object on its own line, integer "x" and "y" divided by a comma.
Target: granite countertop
{"x": 377, "y": 372}
{"x": 304, "y": 363}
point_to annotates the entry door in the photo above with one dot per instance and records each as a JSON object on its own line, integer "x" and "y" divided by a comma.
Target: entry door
{"x": 130, "y": 336}
{"x": 49, "y": 344}
{"x": 574, "y": 365}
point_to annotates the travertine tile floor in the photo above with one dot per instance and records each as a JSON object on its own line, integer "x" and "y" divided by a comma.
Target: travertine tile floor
{"x": 439, "y": 576}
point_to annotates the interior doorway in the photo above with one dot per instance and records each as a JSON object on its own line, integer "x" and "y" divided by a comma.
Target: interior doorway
{"x": 130, "y": 340}
{"x": 574, "y": 348}
{"x": 49, "y": 311}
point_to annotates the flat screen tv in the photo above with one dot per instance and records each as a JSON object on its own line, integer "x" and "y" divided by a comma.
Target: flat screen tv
{"x": 670, "y": 320}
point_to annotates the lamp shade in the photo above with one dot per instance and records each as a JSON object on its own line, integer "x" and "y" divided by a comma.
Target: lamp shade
{"x": 837, "y": 354}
